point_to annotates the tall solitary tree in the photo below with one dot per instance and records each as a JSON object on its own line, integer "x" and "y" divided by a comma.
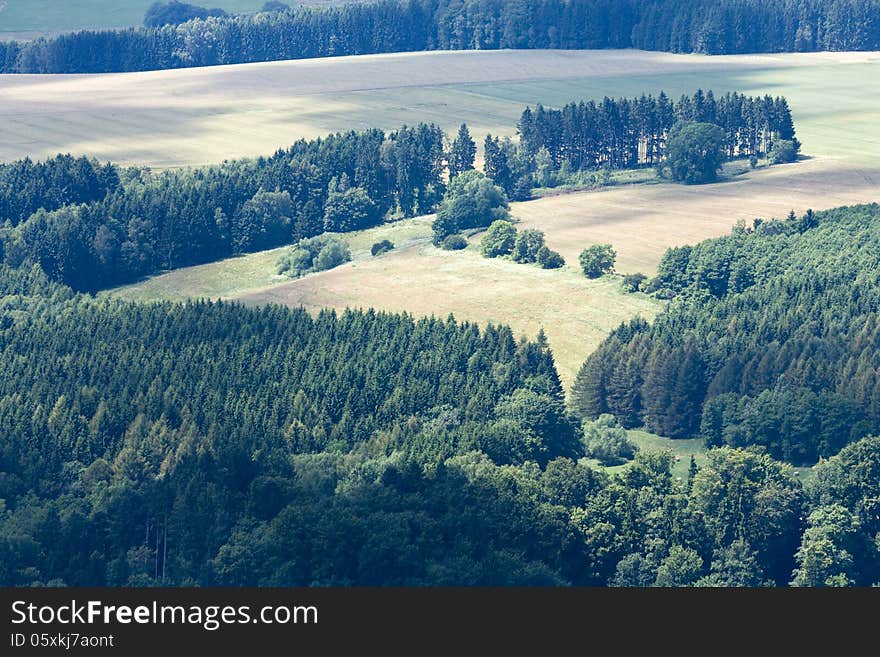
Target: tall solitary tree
{"x": 462, "y": 152}
{"x": 597, "y": 260}
{"x": 693, "y": 152}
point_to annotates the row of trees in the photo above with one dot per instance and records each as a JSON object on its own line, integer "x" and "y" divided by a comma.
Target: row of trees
{"x": 631, "y": 132}
{"x": 706, "y": 26}
{"x": 525, "y": 246}
{"x": 92, "y": 226}
{"x": 210, "y": 444}
{"x": 772, "y": 339}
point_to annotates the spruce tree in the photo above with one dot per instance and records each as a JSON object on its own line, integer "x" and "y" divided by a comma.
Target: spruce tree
{"x": 462, "y": 152}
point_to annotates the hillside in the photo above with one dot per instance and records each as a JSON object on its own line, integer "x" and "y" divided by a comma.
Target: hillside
{"x": 206, "y": 115}
{"x": 770, "y": 337}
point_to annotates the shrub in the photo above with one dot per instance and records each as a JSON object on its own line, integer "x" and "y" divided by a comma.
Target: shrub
{"x": 527, "y": 244}
{"x": 454, "y": 243}
{"x": 633, "y": 282}
{"x": 499, "y": 239}
{"x": 784, "y": 150}
{"x": 381, "y": 247}
{"x": 314, "y": 254}
{"x": 332, "y": 255}
{"x": 549, "y": 259}
{"x": 606, "y": 441}
{"x": 597, "y": 260}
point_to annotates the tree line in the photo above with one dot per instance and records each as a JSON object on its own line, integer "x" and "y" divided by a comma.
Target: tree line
{"x": 771, "y": 339}
{"x": 91, "y": 226}
{"x": 631, "y": 132}
{"x": 704, "y": 26}
{"x": 212, "y": 444}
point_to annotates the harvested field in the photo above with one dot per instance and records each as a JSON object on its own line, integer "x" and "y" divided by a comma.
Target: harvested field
{"x": 205, "y": 115}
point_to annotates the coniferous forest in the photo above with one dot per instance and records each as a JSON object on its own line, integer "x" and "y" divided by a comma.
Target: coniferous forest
{"x": 701, "y": 26}
{"x": 631, "y": 132}
{"x": 91, "y": 226}
{"x": 770, "y": 339}
{"x": 206, "y": 443}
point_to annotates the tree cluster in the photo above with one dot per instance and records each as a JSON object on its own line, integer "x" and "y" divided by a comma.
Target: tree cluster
{"x": 314, "y": 254}
{"x": 175, "y": 13}
{"x": 471, "y": 201}
{"x": 526, "y": 246}
{"x": 630, "y": 132}
{"x": 772, "y": 339}
{"x": 92, "y": 226}
{"x": 704, "y": 26}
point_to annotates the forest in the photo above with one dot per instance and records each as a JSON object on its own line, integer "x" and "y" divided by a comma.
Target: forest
{"x": 206, "y": 443}
{"x": 701, "y": 26}
{"x": 771, "y": 339}
{"x": 631, "y": 132}
{"x": 92, "y": 226}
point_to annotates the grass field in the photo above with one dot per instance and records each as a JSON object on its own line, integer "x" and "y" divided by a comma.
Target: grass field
{"x": 682, "y": 450}
{"x": 205, "y": 115}
{"x": 641, "y": 222}
{"x": 575, "y": 313}
{"x": 170, "y": 118}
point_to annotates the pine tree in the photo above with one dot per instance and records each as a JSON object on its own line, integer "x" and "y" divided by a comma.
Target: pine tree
{"x": 495, "y": 164}
{"x": 588, "y": 391}
{"x": 462, "y": 152}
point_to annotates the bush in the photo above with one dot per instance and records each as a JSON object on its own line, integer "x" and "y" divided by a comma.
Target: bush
{"x": 753, "y": 161}
{"x": 349, "y": 208}
{"x": 694, "y": 152}
{"x": 527, "y": 245}
{"x": 499, "y": 239}
{"x": 454, "y": 243}
{"x": 471, "y": 201}
{"x": 783, "y": 151}
{"x": 597, "y": 260}
{"x": 549, "y": 259}
{"x": 633, "y": 282}
{"x": 332, "y": 255}
{"x": 381, "y": 247}
{"x": 606, "y": 441}
{"x": 312, "y": 255}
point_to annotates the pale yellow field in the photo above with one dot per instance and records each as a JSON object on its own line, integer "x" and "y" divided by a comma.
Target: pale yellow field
{"x": 575, "y": 313}
{"x": 642, "y": 221}
{"x": 417, "y": 278}
{"x": 205, "y": 115}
